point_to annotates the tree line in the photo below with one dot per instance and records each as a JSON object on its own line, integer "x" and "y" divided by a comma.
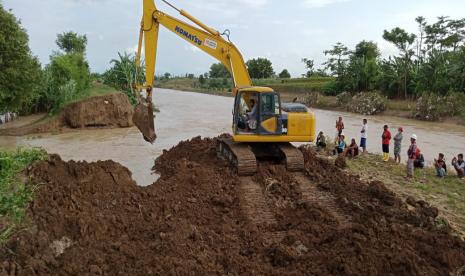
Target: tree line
{"x": 27, "y": 87}
{"x": 431, "y": 61}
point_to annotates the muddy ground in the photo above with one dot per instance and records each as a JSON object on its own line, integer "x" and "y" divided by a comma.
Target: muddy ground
{"x": 201, "y": 218}
{"x": 110, "y": 110}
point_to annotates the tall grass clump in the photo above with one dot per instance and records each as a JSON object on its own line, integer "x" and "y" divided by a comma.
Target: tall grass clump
{"x": 14, "y": 193}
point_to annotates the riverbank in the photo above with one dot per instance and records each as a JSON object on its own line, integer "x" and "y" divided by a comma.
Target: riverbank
{"x": 201, "y": 217}
{"x": 447, "y": 194}
{"x": 102, "y": 110}
{"x": 291, "y": 89}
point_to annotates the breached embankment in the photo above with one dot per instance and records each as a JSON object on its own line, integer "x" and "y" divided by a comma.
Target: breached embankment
{"x": 201, "y": 218}
{"x": 105, "y": 111}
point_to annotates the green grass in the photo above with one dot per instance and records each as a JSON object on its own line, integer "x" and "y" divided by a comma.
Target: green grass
{"x": 400, "y": 105}
{"x": 448, "y": 194}
{"x": 98, "y": 89}
{"x": 14, "y": 193}
{"x": 298, "y": 85}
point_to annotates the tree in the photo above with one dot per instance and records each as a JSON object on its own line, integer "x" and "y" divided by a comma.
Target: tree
{"x": 260, "y": 68}
{"x": 70, "y": 42}
{"x": 338, "y": 58}
{"x": 202, "y": 80}
{"x": 20, "y": 73}
{"x": 284, "y": 74}
{"x": 167, "y": 75}
{"x": 403, "y": 41}
{"x": 309, "y": 66}
{"x": 366, "y": 49}
{"x": 218, "y": 70}
{"x": 363, "y": 67}
{"x": 68, "y": 73}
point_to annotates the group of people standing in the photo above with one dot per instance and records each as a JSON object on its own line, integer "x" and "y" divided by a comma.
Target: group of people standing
{"x": 415, "y": 158}
{"x": 7, "y": 117}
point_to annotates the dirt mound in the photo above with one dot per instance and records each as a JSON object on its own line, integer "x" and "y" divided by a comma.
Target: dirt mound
{"x": 111, "y": 110}
{"x": 201, "y": 218}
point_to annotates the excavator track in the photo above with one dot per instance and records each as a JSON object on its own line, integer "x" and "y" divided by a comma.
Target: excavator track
{"x": 243, "y": 156}
{"x": 293, "y": 157}
{"x": 239, "y": 155}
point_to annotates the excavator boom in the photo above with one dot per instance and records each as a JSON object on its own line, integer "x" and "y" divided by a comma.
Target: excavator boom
{"x": 203, "y": 37}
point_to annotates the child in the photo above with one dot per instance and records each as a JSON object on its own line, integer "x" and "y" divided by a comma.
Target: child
{"x": 459, "y": 165}
{"x": 321, "y": 140}
{"x": 440, "y": 165}
{"x": 341, "y": 145}
{"x": 352, "y": 150}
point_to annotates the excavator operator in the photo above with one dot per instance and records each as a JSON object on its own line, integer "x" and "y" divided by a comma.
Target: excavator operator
{"x": 252, "y": 115}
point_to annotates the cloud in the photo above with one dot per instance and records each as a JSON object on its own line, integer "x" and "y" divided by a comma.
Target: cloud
{"x": 192, "y": 48}
{"x": 253, "y": 3}
{"x": 225, "y": 8}
{"x": 320, "y": 3}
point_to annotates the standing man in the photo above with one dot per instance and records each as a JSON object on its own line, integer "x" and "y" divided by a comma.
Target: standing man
{"x": 412, "y": 155}
{"x": 364, "y": 135}
{"x": 398, "y": 144}
{"x": 339, "y": 125}
{"x": 386, "y": 140}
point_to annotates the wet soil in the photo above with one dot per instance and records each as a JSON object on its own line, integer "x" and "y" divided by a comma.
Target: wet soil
{"x": 111, "y": 110}
{"x": 201, "y": 218}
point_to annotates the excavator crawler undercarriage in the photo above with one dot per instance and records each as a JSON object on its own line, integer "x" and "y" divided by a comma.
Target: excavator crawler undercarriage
{"x": 243, "y": 156}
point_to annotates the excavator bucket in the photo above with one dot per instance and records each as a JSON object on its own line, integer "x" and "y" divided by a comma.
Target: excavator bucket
{"x": 143, "y": 119}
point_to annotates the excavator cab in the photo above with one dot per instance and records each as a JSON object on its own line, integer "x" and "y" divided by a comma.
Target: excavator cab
{"x": 257, "y": 112}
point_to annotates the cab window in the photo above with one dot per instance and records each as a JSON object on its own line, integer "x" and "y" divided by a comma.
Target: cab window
{"x": 270, "y": 104}
{"x": 267, "y": 105}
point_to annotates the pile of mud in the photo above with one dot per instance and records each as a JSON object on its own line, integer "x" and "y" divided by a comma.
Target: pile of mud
{"x": 201, "y": 218}
{"x": 111, "y": 110}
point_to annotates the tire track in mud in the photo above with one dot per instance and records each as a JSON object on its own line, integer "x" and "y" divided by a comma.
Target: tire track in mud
{"x": 253, "y": 204}
{"x": 312, "y": 195}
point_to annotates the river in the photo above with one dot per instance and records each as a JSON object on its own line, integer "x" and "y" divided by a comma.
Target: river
{"x": 184, "y": 115}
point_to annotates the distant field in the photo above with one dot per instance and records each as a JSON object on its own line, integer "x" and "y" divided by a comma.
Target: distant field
{"x": 298, "y": 85}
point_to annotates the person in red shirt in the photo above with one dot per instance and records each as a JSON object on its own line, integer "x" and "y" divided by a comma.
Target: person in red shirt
{"x": 386, "y": 138}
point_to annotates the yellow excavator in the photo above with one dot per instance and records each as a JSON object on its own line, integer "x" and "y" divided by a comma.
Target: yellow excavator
{"x": 262, "y": 126}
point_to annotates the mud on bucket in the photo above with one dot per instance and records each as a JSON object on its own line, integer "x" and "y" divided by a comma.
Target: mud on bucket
{"x": 143, "y": 119}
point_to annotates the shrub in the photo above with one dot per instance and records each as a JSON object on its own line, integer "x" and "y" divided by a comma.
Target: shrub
{"x": 368, "y": 103}
{"x": 455, "y": 103}
{"x": 330, "y": 88}
{"x": 311, "y": 98}
{"x": 432, "y": 107}
{"x": 344, "y": 99}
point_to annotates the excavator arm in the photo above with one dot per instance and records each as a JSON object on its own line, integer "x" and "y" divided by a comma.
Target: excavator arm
{"x": 203, "y": 37}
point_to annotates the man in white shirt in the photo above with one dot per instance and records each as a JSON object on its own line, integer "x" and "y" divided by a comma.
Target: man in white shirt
{"x": 364, "y": 135}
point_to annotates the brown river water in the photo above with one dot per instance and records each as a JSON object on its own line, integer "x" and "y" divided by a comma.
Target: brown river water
{"x": 184, "y": 115}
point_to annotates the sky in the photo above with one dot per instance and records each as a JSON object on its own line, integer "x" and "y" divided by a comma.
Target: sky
{"x": 282, "y": 31}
